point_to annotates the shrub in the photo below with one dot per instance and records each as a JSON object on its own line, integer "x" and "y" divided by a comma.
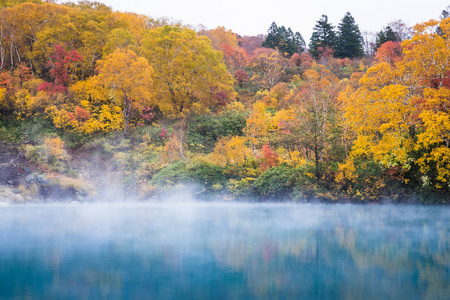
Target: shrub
{"x": 207, "y": 175}
{"x": 279, "y": 182}
{"x": 204, "y": 131}
{"x": 171, "y": 175}
{"x": 50, "y": 155}
{"x": 82, "y": 187}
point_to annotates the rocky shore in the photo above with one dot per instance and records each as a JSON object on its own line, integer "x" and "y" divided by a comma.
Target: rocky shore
{"x": 22, "y": 182}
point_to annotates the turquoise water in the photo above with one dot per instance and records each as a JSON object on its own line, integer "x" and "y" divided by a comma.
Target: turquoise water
{"x": 224, "y": 251}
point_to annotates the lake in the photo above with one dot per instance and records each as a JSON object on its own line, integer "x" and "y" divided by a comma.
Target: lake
{"x": 197, "y": 250}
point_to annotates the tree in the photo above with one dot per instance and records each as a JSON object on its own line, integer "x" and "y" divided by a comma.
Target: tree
{"x": 129, "y": 78}
{"x": 426, "y": 63}
{"x": 62, "y": 64}
{"x": 220, "y": 36}
{"x": 257, "y": 126}
{"x": 273, "y": 38}
{"x": 188, "y": 73}
{"x": 384, "y": 36}
{"x": 119, "y": 38}
{"x": 401, "y": 30}
{"x": 235, "y": 58}
{"x": 268, "y": 65}
{"x": 316, "y": 112}
{"x": 390, "y": 52}
{"x": 251, "y": 43}
{"x": 323, "y": 37}
{"x": 10, "y": 3}
{"x": 268, "y": 159}
{"x": 400, "y": 111}
{"x": 350, "y": 41}
{"x": 241, "y": 77}
{"x": 284, "y": 40}
{"x": 231, "y": 150}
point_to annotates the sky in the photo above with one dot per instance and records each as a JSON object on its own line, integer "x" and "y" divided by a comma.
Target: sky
{"x": 249, "y": 17}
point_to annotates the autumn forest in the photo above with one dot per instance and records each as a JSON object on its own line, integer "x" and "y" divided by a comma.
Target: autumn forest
{"x": 162, "y": 107}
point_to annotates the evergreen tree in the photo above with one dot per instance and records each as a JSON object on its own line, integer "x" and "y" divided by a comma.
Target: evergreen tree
{"x": 284, "y": 40}
{"x": 350, "y": 40}
{"x": 444, "y": 15}
{"x": 385, "y": 36}
{"x": 323, "y": 37}
{"x": 273, "y": 38}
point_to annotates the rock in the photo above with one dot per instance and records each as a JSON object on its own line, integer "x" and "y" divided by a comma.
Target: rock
{"x": 42, "y": 179}
{"x": 16, "y": 191}
{"x": 29, "y": 178}
{"x": 10, "y": 182}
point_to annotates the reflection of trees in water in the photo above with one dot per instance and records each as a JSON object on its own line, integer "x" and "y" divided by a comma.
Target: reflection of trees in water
{"x": 371, "y": 260}
{"x": 242, "y": 254}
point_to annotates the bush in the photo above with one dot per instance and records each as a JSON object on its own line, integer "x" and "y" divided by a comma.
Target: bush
{"x": 279, "y": 182}
{"x": 204, "y": 131}
{"x": 171, "y": 175}
{"x": 50, "y": 155}
{"x": 209, "y": 176}
{"x": 28, "y": 130}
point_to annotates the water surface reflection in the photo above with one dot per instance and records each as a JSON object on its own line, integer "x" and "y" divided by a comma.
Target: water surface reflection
{"x": 224, "y": 251}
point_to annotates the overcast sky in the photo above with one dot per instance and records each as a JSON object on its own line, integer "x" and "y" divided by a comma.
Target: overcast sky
{"x": 254, "y": 17}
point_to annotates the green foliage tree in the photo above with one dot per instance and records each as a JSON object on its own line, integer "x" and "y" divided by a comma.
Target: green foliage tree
{"x": 323, "y": 37}
{"x": 284, "y": 40}
{"x": 203, "y": 131}
{"x": 350, "y": 40}
{"x": 385, "y": 36}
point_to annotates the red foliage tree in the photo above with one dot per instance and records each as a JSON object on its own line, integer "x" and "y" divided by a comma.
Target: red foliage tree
{"x": 390, "y": 52}
{"x": 251, "y": 43}
{"x": 269, "y": 158}
{"x": 241, "y": 77}
{"x": 235, "y": 58}
{"x": 222, "y": 98}
{"x": 61, "y": 63}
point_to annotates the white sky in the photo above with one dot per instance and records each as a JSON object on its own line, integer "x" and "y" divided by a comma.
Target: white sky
{"x": 250, "y": 17}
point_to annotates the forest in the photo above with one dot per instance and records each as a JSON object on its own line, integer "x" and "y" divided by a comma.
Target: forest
{"x": 91, "y": 98}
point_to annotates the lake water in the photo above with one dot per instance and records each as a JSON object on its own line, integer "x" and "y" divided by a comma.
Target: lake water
{"x": 224, "y": 251}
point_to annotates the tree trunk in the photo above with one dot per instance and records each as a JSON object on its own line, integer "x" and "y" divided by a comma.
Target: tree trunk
{"x": 126, "y": 113}
{"x": 316, "y": 153}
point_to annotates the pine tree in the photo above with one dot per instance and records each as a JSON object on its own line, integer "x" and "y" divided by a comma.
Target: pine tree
{"x": 273, "y": 38}
{"x": 350, "y": 40}
{"x": 386, "y": 36}
{"x": 323, "y": 37}
{"x": 284, "y": 40}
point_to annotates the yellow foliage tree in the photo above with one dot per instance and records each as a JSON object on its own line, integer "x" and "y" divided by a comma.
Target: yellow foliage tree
{"x": 231, "y": 150}
{"x": 187, "y": 70}
{"x": 128, "y": 78}
{"x": 258, "y": 125}
{"x": 268, "y": 66}
{"x": 399, "y": 113}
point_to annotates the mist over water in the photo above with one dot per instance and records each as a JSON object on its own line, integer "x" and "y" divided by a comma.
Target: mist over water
{"x": 198, "y": 250}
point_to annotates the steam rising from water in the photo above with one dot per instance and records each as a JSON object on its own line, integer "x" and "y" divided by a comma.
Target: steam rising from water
{"x": 195, "y": 250}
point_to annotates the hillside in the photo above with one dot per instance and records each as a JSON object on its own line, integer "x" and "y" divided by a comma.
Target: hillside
{"x": 102, "y": 104}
